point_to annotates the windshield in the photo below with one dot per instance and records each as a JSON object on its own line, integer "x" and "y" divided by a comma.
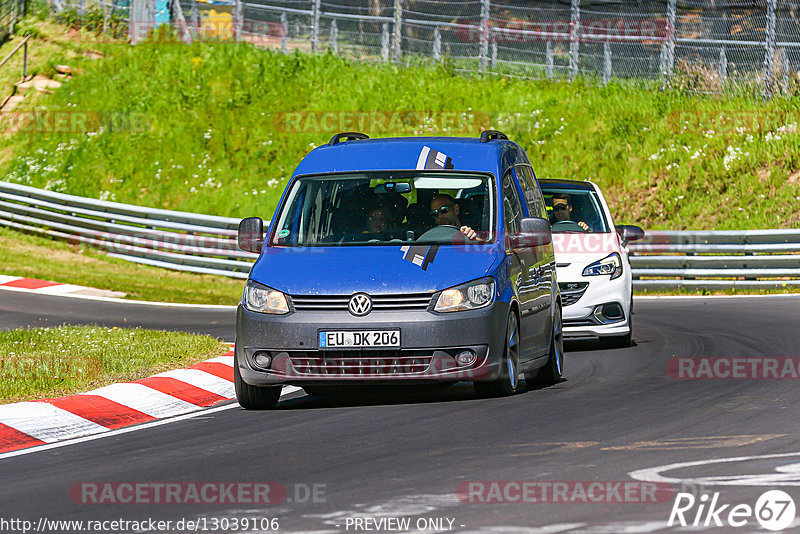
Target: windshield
{"x": 386, "y": 208}
{"x": 573, "y": 210}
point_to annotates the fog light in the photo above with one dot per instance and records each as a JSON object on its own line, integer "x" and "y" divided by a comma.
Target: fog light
{"x": 466, "y": 357}
{"x": 262, "y": 359}
{"x": 613, "y": 311}
{"x": 609, "y": 313}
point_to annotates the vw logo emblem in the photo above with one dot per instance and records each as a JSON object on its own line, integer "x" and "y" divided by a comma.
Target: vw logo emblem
{"x": 360, "y": 304}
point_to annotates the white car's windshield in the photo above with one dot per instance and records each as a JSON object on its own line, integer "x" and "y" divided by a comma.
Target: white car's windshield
{"x": 573, "y": 209}
{"x": 385, "y": 208}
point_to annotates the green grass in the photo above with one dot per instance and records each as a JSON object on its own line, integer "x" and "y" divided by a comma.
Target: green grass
{"x": 698, "y": 292}
{"x": 50, "y": 362}
{"x": 204, "y": 134}
{"x": 36, "y": 257}
{"x": 202, "y": 128}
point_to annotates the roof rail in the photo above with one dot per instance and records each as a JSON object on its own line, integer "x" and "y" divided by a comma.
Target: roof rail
{"x": 348, "y": 136}
{"x": 488, "y": 135}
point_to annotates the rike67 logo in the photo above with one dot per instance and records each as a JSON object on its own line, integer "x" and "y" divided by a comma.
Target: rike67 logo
{"x": 774, "y": 510}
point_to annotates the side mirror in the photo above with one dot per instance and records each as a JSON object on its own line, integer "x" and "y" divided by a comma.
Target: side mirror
{"x": 251, "y": 234}
{"x": 535, "y": 232}
{"x": 629, "y": 233}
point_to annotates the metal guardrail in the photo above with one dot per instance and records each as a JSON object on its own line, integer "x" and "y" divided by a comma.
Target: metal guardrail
{"x": 163, "y": 238}
{"x": 717, "y": 259}
{"x": 207, "y": 244}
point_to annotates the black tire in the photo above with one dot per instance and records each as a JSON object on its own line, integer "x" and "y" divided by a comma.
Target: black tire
{"x": 254, "y": 397}
{"x": 553, "y": 370}
{"x": 508, "y": 381}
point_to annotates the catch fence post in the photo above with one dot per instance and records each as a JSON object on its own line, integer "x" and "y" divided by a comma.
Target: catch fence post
{"x": 315, "y": 26}
{"x": 397, "y": 36}
{"x": 334, "y": 37}
{"x": 484, "y": 35}
{"x": 437, "y": 44}
{"x": 284, "y": 33}
{"x": 668, "y": 63}
{"x": 574, "y": 38}
{"x": 769, "y": 52}
{"x": 385, "y": 42}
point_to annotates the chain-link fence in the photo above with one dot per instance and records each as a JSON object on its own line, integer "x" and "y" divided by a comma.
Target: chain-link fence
{"x": 708, "y": 45}
{"x": 10, "y": 12}
{"x": 109, "y": 17}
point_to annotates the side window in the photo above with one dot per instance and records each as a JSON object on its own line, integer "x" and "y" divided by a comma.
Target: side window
{"x": 512, "y": 207}
{"x": 533, "y": 195}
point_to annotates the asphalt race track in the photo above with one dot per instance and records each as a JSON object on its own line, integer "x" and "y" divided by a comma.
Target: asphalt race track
{"x": 18, "y": 309}
{"x": 405, "y": 454}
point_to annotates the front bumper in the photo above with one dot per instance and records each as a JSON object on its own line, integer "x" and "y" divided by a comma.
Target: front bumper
{"x": 429, "y": 343}
{"x": 578, "y": 317}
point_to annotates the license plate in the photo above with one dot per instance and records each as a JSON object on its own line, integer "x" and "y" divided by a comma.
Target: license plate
{"x": 356, "y": 339}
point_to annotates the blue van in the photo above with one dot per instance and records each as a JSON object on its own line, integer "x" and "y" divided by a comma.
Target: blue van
{"x": 401, "y": 260}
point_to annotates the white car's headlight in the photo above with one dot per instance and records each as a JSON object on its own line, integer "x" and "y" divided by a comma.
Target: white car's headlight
{"x": 469, "y": 296}
{"x": 611, "y": 264}
{"x": 263, "y": 299}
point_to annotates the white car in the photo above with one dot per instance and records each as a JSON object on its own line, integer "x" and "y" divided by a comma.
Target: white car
{"x": 592, "y": 266}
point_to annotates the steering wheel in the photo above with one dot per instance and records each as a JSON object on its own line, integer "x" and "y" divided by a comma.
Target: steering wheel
{"x": 443, "y": 233}
{"x": 566, "y": 226}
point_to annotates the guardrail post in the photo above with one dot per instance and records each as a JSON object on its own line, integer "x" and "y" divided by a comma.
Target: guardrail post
{"x": 25, "y": 61}
{"x": 493, "y": 62}
{"x": 484, "y": 36}
{"x": 437, "y": 44}
{"x": 284, "y": 33}
{"x": 668, "y": 51}
{"x": 397, "y": 36}
{"x": 334, "y": 37}
{"x": 548, "y": 54}
{"x": 606, "y": 62}
{"x": 574, "y": 38}
{"x": 769, "y": 53}
{"x": 315, "y": 27}
{"x": 723, "y": 65}
{"x": 385, "y": 42}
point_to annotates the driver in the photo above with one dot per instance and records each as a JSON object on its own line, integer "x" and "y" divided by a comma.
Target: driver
{"x": 444, "y": 210}
{"x": 562, "y": 210}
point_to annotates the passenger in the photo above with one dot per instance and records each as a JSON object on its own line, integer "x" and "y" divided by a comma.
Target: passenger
{"x": 562, "y": 210}
{"x": 396, "y": 205}
{"x": 379, "y": 221}
{"x": 444, "y": 210}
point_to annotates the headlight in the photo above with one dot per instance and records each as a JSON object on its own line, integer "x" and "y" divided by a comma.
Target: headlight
{"x": 611, "y": 264}
{"x": 260, "y": 298}
{"x": 469, "y": 296}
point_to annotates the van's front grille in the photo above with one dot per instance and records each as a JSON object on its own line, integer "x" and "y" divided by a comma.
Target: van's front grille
{"x": 396, "y": 302}
{"x": 375, "y": 363}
